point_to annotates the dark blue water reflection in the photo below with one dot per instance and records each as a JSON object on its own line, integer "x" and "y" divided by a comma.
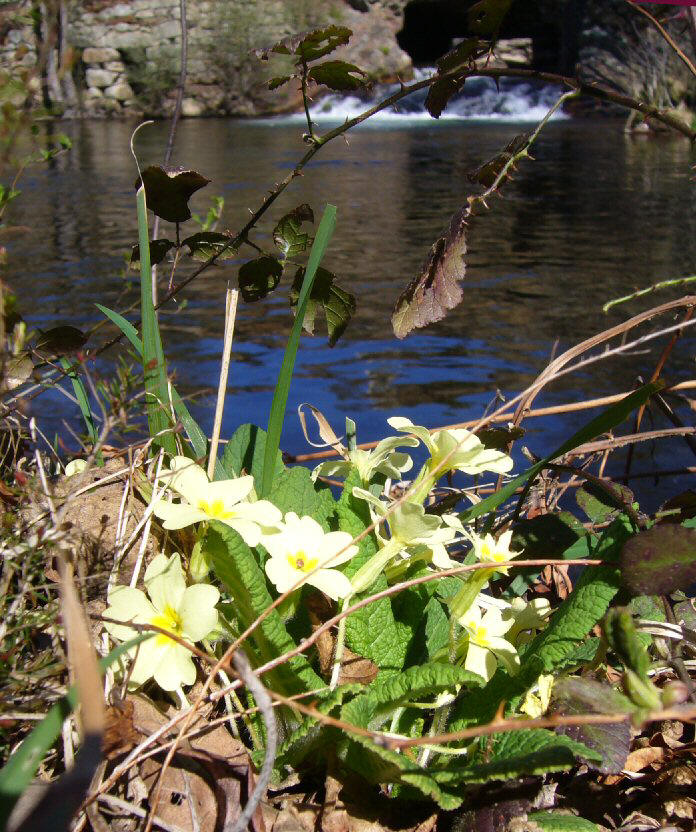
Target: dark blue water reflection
{"x": 596, "y": 215}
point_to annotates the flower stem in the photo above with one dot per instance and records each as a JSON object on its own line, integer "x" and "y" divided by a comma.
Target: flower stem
{"x": 340, "y": 646}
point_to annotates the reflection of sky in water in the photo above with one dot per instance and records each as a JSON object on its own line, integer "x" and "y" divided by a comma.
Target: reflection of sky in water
{"x": 597, "y": 215}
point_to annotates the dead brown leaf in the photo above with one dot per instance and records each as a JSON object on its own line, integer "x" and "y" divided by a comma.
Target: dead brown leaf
{"x": 643, "y": 757}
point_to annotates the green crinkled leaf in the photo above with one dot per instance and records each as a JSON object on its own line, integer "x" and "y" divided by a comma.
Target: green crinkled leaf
{"x": 381, "y": 765}
{"x": 244, "y": 453}
{"x": 623, "y": 638}
{"x": 338, "y": 305}
{"x": 237, "y": 568}
{"x": 660, "y": 560}
{"x": 259, "y": 277}
{"x": 158, "y": 251}
{"x": 599, "y": 504}
{"x": 557, "y": 822}
{"x": 206, "y": 244}
{"x": 372, "y": 631}
{"x": 294, "y": 490}
{"x": 437, "y": 627}
{"x": 417, "y": 684}
{"x": 278, "y": 81}
{"x": 288, "y": 236}
{"x": 311, "y": 737}
{"x": 308, "y": 46}
{"x": 516, "y": 753}
{"x": 168, "y": 190}
{"x": 338, "y": 75}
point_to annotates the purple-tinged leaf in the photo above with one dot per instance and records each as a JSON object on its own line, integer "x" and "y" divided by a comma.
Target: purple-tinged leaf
{"x": 60, "y": 340}
{"x": 612, "y": 741}
{"x": 338, "y": 75}
{"x": 158, "y": 251}
{"x": 287, "y": 235}
{"x": 259, "y": 277}
{"x": 486, "y": 16}
{"x": 168, "y": 190}
{"x": 436, "y": 290}
{"x": 440, "y": 93}
{"x": 308, "y": 46}
{"x": 659, "y": 560}
{"x": 490, "y": 170}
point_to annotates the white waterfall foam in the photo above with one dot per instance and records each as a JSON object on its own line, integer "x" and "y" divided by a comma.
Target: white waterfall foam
{"x": 480, "y": 100}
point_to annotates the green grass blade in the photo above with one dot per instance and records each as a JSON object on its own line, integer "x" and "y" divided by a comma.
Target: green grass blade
{"x": 280, "y": 396}
{"x": 82, "y": 399}
{"x": 19, "y": 770}
{"x": 607, "y": 420}
{"x": 154, "y": 367}
{"x": 199, "y": 441}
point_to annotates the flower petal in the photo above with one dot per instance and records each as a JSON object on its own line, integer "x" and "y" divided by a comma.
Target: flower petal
{"x": 178, "y": 515}
{"x": 127, "y": 604}
{"x": 262, "y": 512}
{"x": 146, "y": 657}
{"x": 174, "y": 668}
{"x": 197, "y": 610}
{"x": 332, "y": 583}
{"x": 165, "y": 582}
{"x": 281, "y": 574}
{"x": 248, "y": 531}
{"x": 333, "y": 542}
{"x": 186, "y": 478}
{"x": 404, "y": 425}
{"x": 230, "y": 492}
{"x": 481, "y": 661}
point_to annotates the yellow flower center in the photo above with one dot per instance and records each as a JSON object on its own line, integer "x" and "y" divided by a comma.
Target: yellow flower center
{"x": 479, "y": 635}
{"x": 301, "y": 562}
{"x": 170, "y": 620}
{"x": 216, "y": 509}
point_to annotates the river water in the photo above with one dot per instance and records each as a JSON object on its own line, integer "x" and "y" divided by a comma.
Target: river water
{"x": 596, "y": 215}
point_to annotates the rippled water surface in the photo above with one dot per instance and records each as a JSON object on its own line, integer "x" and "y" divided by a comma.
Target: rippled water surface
{"x": 596, "y": 215}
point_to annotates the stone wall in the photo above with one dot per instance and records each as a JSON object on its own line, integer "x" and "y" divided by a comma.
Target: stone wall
{"x": 126, "y": 54}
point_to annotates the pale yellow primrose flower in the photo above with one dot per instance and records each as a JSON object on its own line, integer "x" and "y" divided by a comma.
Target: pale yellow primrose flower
{"x": 486, "y": 642}
{"x": 223, "y": 500}
{"x": 383, "y": 459}
{"x": 470, "y": 456}
{"x": 187, "y": 612}
{"x": 411, "y": 530}
{"x": 300, "y": 546}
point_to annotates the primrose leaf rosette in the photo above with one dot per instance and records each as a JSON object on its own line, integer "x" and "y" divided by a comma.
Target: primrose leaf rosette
{"x": 187, "y": 612}
{"x": 225, "y": 500}
{"x": 302, "y": 552}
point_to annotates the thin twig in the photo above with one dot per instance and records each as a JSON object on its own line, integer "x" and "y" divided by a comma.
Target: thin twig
{"x": 665, "y": 34}
{"x": 231, "y": 299}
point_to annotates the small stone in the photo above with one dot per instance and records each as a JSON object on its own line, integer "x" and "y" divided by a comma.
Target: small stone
{"x": 100, "y": 78}
{"x": 191, "y": 108}
{"x": 95, "y": 55}
{"x": 121, "y": 91}
{"x": 94, "y": 92}
{"x": 115, "y": 66}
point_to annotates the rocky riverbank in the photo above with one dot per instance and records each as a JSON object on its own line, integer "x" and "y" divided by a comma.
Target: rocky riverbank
{"x": 102, "y": 58}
